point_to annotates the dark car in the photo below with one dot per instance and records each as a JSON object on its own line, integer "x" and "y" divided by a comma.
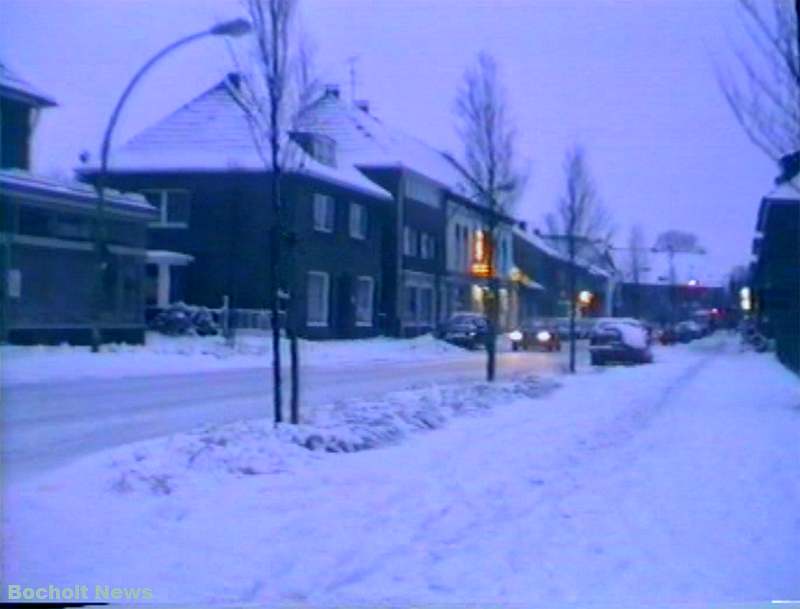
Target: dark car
{"x": 623, "y": 341}
{"x": 687, "y": 331}
{"x": 469, "y": 330}
{"x": 537, "y": 334}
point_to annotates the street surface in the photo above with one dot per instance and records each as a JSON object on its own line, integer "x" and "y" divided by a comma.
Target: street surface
{"x": 48, "y": 424}
{"x": 673, "y": 483}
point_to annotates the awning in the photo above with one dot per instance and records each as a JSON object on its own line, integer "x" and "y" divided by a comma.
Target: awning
{"x": 168, "y": 257}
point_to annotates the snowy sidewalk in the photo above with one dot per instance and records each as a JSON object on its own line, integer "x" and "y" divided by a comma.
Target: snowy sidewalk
{"x": 664, "y": 483}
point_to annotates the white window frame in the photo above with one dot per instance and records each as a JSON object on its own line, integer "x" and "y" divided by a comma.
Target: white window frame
{"x": 371, "y": 282}
{"x": 358, "y": 222}
{"x": 163, "y": 207}
{"x": 410, "y": 242}
{"x": 325, "y": 301}
{"x": 328, "y": 213}
{"x": 426, "y": 246}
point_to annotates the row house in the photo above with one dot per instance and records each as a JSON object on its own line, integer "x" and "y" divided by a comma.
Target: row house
{"x": 541, "y": 272}
{"x": 435, "y": 229}
{"x": 201, "y": 169}
{"x": 49, "y": 269}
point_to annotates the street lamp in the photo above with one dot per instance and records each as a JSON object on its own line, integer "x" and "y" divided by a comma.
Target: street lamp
{"x": 233, "y": 29}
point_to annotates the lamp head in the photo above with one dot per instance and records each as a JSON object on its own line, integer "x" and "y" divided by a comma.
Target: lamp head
{"x": 233, "y": 28}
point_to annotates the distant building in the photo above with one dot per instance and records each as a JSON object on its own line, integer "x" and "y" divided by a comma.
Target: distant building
{"x": 541, "y": 272}
{"x": 670, "y": 289}
{"x": 48, "y": 265}
{"x": 776, "y": 269}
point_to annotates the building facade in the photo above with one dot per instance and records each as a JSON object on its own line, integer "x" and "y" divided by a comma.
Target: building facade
{"x": 776, "y": 268}
{"x": 49, "y": 266}
{"x": 211, "y": 241}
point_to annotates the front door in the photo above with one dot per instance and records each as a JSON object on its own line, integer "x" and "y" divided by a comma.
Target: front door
{"x": 344, "y": 313}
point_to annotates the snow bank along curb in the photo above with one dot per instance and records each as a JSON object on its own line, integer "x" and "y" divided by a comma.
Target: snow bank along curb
{"x": 189, "y": 354}
{"x": 249, "y": 448}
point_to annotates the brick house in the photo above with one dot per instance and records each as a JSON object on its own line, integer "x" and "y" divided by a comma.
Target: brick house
{"x": 200, "y": 168}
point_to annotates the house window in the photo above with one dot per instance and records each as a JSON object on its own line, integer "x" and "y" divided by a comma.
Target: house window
{"x": 324, "y": 149}
{"x": 324, "y": 208}
{"x": 427, "y": 246}
{"x": 173, "y": 207}
{"x": 317, "y": 297}
{"x": 410, "y": 238}
{"x": 364, "y": 300}
{"x": 358, "y": 221}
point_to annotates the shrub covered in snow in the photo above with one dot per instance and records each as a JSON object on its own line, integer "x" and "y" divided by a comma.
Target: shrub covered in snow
{"x": 249, "y": 448}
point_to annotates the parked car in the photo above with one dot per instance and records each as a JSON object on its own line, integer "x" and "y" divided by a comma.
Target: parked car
{"x": 667, "y": 335}
{"x": 583, "y": 327}
{"x": 687, "y": 331}
{"x": 620, "y": 340}
{"x": 469, "y": 330}
{"x": 536, "y": 334}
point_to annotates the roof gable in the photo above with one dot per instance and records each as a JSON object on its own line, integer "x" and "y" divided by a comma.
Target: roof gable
{"x": 211, "y": 133}
{"x": 13, "y": 86}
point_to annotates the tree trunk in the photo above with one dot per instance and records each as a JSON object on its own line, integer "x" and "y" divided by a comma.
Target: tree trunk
{"x": 491, "y": 341}
{"x": 275, "y": 306}
{"x": 572, "y": 303}
{"x": 275, "y": 285}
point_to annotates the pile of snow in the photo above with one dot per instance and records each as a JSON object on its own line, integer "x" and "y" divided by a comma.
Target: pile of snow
{"x": 250, "y": 448}
{"x": 654, "y": 485}
{"x": 186, "y": 354}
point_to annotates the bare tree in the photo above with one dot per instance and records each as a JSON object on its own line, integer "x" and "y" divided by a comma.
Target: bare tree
{"x": 580, "y": 220}
{"x": 638, "y": 261}
{"x": 765, "y": 93}
{"x": 672, "y": 243}
{"x": 489, "y": 168}
{"x": 277, "y": 84}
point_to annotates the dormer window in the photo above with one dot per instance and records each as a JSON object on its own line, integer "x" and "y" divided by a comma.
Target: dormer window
{"x": 319, "y": 147}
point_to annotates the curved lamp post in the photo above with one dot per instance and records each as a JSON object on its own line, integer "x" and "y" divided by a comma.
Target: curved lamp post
{"x": 234, "y": 28}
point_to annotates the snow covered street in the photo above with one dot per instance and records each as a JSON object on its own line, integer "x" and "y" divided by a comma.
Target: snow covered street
{"x": 678, "y": 481}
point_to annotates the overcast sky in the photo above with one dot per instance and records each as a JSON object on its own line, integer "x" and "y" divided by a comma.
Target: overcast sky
{"x": 632, "y": 81}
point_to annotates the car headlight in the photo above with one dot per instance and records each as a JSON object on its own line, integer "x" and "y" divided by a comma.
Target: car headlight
{"x": 516, "y": 335}
{"x": 543, "y": 336}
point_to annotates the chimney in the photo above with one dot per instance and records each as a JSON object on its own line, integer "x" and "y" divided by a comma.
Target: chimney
{"x": 363, "y": 105}
{"x": 332, "y": 90}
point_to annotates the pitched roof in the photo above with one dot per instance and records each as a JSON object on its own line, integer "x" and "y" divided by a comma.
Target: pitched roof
{"x": 786, "y": 191}
{"x": 369, "y": 142}
{"x": 14, "y": 86}
{"x": 212, "y": 133}
{"x": 21, "y": 183}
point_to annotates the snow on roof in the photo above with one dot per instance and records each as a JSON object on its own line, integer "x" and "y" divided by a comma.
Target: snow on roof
{"x": 23, "y": 181}
{"x": 13, "y": 85}
{"x": 369, "y": 142}
{"x": 786, "y": 191}
{"x": 212, "y": 133}
{"x": 546, "y": 247}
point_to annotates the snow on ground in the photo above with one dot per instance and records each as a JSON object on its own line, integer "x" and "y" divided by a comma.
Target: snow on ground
{"x": 672, "y": 482}
{"x": 178, "y": 355}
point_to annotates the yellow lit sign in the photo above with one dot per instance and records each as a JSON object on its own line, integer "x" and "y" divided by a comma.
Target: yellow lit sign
{"x": 480, "y": 255}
